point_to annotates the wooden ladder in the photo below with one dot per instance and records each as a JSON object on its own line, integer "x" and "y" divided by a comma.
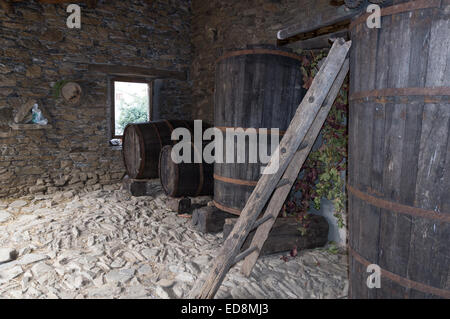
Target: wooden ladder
{"x": 292, "y": 153}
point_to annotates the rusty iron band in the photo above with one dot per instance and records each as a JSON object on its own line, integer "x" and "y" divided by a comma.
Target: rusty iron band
{"x": 258, "y": 51}
{"x": 397, "y": 207}
{"x": 400, "y": 8}
{"x": 138, "y": 132}
{"x": 157, "y": 134}
{"x": 230, "y": 210}
{"x": 431, "y": 91}
{"x": 169, "y": 125}
{"x": 402, "y": 281}
{"x": 201, "y": 174}
{"x": 235, "y": 180}
{"x": 224, "y": 129}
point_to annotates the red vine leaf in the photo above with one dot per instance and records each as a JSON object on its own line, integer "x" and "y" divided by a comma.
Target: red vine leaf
{"x": 294, "y": 252}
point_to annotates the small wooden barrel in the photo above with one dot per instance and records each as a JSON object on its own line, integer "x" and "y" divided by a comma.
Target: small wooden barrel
{"x": 185, "y": 179}
{"x": 399, "y": 154}
{"x": 260, "y": 87}
{"x": 142, "y": 143}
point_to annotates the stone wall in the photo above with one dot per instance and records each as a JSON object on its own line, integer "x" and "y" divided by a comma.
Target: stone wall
{"x": 37, "y": 50}
{"x": 219, "y": 25}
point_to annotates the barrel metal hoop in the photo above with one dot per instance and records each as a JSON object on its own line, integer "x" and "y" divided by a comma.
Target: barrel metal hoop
{"x": 176, "y": 177}
{"x": 224, "y": 129}
{"x": 258, "y": 51}
{"x": 402, "y": 281}
{"x": 123, "y": 145}
{"x": 142, "y": 153}
{"x": 230, "y": 210}
{"x": 397, "y": 207}
{"x": 169, "y": 125}
{"x": 157, "y": 134}
{"x": 201, "y": 173}
{"x": 188, "y": 127}
{"x": 416, "y": 91}
{"x": 400, "y": 8}
{"x": 235, "y": 180}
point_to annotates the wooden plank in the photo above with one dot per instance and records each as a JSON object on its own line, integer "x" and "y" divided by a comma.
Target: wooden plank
{"x": 342, "y": 14}
{"x": 7, "y": 6}
{"x": 291, "y": 141}
{"x": 26, "y": 127}
{"x": 285, "y": 235}
{"x": 319, "y": 42}
{"x": 124, "y": 70}
{"x": 209, "y": 219}
{"x": 179, "y": 205}
{"x": 91, "y": 3}
{"x": 291, "y": 174}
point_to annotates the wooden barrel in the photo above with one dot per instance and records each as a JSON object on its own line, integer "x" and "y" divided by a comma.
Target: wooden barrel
{"x": 260, "y": 87}
{"x": 185, "y": 179}
{"x": 142, "y": 143}
{"x": 399, "y": 152}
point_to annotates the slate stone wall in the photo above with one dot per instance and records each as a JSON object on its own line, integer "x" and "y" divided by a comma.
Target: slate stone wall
{"x": 219, "y": 26}
{"x": 37, "y": 50}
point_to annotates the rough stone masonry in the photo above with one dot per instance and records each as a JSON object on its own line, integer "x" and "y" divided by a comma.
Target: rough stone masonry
{"x": 37, "y": 50}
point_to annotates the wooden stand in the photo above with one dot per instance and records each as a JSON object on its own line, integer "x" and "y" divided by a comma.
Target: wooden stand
{"x": 285, "y": 235}
{"x": 180, "y": 205}
{"x": 209, "y": 219}
{"x": 137, "y": 187}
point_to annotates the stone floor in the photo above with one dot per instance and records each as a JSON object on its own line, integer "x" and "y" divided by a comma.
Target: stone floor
{"x": 108, "y": 244}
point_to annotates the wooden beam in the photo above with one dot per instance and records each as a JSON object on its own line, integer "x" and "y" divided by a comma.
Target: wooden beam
{"x": 209, "y": 219}
{"x": 285, "y": 235}
{"x": 343, "y": 14}
{"x": 7, "y": 6}
{"x": 122, "y": 70}
{"x": 91, "y": 3}
{"x": 320, "y": 42}
{"x": 300, "y": 124}
{"x": 291, "y": 174}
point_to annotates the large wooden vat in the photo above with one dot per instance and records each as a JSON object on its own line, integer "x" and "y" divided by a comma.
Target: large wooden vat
{"x": 399, "y": 152}
{"x": 260, "y": 87}
{"x": 142, "y": 143}
{"x": 185, "y": 179}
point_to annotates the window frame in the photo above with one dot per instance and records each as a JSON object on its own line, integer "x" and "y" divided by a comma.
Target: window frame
{"x": 112, "y": 106}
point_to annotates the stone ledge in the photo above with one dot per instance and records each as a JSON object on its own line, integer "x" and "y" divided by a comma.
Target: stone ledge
{"x": 24, "y": 127}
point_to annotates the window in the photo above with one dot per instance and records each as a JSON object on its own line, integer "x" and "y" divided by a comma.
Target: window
{"x": 130, "y": 103}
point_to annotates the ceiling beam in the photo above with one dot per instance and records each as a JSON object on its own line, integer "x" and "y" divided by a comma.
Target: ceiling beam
{"x": 6, "y": 6}
{"x": 123, "y": 70}
{"x": 91, "y": 3}
{"x": 342, "y": 15}
{"x": 320, "y": 42}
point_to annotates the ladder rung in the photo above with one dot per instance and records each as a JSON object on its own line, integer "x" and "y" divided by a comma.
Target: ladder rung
{"x": 261, "y": 221}
{"x": 244, "y": 254}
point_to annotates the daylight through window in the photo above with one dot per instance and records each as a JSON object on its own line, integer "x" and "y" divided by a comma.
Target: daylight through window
{"x": 131, "y": 104}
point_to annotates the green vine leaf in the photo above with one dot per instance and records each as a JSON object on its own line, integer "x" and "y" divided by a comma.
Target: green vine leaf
{"x": 321, "y": 176}
{"x": 57, "y": 88}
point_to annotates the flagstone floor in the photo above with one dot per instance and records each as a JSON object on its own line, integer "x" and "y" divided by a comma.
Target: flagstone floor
{"x": 108, "y": 244}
